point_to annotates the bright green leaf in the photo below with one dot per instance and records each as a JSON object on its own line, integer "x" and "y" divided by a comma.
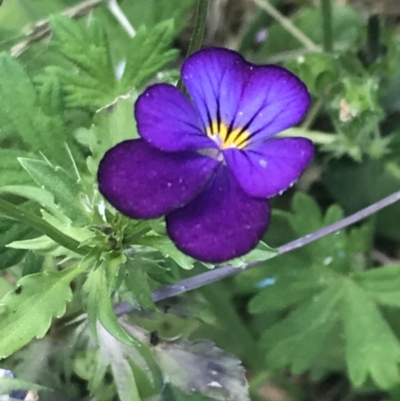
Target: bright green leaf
{"x": 371, "y": 346}
{"x": 29, "y": 310}
{"x": 65, "y": 189}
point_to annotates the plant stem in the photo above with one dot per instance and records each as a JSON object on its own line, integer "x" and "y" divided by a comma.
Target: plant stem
{"x": 9, "y": 210}
{"x": 198, "y": 31}
{"x": 119, "y": 15}
{"x": 199, "y": 27}
{"x": 327, "y": 30}
{"x": 212, "y": 276}
{"x": 318, "y": 137}
{"x": 287, "y": 25}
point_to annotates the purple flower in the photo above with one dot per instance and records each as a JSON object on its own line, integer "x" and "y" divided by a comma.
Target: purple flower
{"x": 209, "y": 164}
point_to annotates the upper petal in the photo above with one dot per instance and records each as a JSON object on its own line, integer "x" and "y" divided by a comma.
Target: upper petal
{"x": 168, "y": 121}
{"x": 143, "y": 183}
{"x": 262, "y": 100}
{"x": 272, "y": 167}
{"x": 221, "y": 223}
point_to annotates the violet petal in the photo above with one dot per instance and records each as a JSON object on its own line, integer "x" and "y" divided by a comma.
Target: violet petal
{"x": 262, "y": 100}
{"x": 221, "y": 223}
{"x": 272, "y": 167}
{"x": 168, "y": 121}
{"x": 143, "y": 183}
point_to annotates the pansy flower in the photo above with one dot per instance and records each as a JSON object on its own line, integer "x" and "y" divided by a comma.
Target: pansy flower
{"x": 208, "y": 162}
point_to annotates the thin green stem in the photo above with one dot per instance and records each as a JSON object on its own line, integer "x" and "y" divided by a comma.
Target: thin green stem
{"x": 9, "y": 210}
{"x": 287, "y": 24}
{"x": 318, "y": 137}
{"x": 327, "y": 30}
{"x": 198, "y": 31}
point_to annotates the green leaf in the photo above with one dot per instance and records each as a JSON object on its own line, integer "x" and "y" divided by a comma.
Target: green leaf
{"x": 137, "y": 281}
{"x": 305, "y": 330}
{"x": 12, "y": 231}
{"x": 166, "y": 247}
{"x": 382, "y": 284}
{"x": 111, "y": 125}
{"x": 88, "y": 50}
{"x": 29, "y": 310}
{"x": 147, "y": 54}
{"x": 32, "y": 264}
{"x": 371, "y": 346}
{"x": 11, "y": 172}
{"x": 65, "y": 189}
{"x": 96, "y": 84}
{"x": 116, "y": 354}
{"x": 100, "y": 307}
{"x": 307, "y": 216}
{"x": 35, "y": 194}
{"x": 291, "y": 288}
{"x": 21, "y": 113}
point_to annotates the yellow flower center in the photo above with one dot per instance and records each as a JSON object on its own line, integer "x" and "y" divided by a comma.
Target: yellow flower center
{"x": 226, "y": 138}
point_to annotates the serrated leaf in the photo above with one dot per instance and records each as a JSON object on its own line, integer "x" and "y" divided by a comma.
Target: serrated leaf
{"x": 291, "y": 288}
{"x": 93, "y": 82}
{"x": 382, "y": 284}
{"x": 87, "y": 49}
{"x": 201, "y": 367}
{"x": 65, "y": 189}
{"x": 148, "y": 54}
{"x": 21, "y": 113}
{"x": 29, "y": 310}
{"x": 307, "y": 215}
{"x": 304, "y": 331}
{"x": 371, "y": 346}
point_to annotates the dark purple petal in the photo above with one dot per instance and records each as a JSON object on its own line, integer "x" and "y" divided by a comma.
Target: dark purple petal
{"x": 272, "y": 167}
{"x": 143, "y": 183}
{"x": 263, "y": 100}
{"x": 168, "y": 121}
{"x": 221, "y": 223}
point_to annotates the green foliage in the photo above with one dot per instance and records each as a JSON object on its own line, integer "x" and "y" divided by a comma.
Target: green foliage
{"x": 347, "y": 27}
{"x": 28, "y": 311}
{"x": 65, "y": 189}
{"x": 326, "y": 287}
{"x": 22, "y": 115}
{"x": 67, "y": 257}
{"x": 97, "y": 83}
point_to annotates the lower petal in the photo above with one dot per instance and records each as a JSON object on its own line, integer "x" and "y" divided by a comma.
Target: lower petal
{"x": 144, "y": 183}
{"x": 272, "y": 167}
{"x": 221, "y": 223}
